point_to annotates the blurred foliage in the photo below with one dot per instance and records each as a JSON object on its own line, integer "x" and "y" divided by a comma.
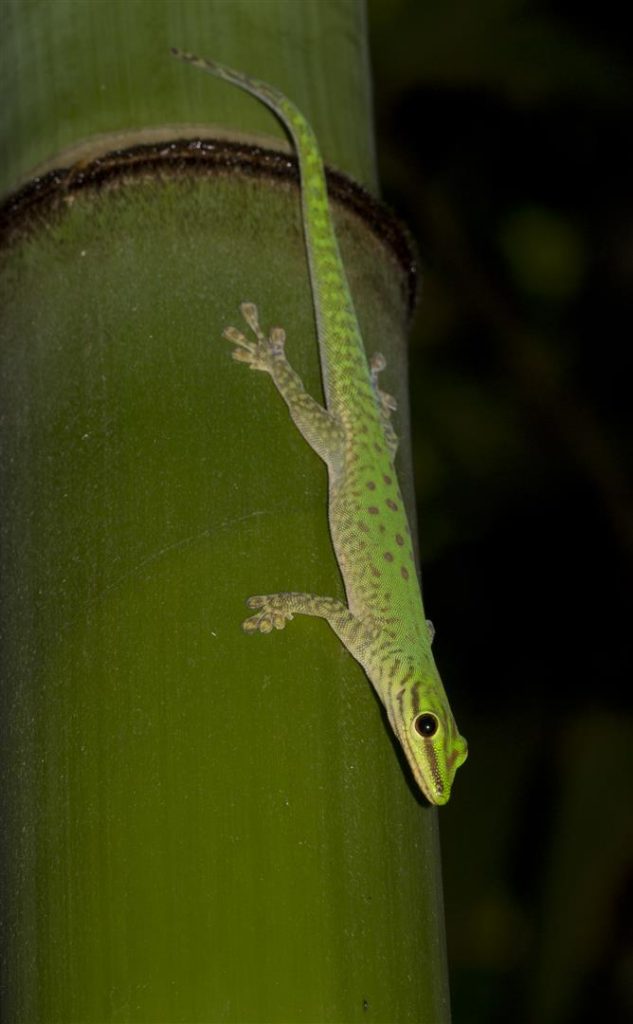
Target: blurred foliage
{"x": 503, "y": 142}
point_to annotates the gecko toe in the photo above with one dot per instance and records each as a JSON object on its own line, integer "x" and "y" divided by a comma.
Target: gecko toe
{"x": 277, "y": 341}
{"x": 251, "y": 315}
{"x": 263, "y": 623}
{"x": 377, "y": 362}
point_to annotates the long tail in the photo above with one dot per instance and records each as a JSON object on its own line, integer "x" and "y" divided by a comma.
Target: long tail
{"x": 343, "y": 360}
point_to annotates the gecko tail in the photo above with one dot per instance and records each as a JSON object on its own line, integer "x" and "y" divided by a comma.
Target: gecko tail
{"x": 340, "y": 342}
{"x": 274, "y": 98}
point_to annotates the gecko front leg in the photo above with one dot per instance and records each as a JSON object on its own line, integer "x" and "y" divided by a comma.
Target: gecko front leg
{"x": 274, "y": 610}
{"x": 322, "y": 431}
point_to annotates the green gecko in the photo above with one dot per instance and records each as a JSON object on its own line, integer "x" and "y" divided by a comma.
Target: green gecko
{"x": 383, "y": 623}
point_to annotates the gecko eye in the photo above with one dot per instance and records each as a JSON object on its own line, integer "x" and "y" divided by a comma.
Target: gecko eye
{"x": 426, "y": 725}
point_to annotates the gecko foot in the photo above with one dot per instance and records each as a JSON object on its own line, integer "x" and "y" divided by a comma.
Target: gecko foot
{"x": 388, "y": 404}
{"x": 262, "y": 353}
{"x": 273, "y": 614}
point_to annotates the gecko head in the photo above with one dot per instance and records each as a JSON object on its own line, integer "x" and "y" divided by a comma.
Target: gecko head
{"x": 429, "y": 736}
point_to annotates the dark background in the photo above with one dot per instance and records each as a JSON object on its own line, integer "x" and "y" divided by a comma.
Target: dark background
{"x": 503, "y": 133}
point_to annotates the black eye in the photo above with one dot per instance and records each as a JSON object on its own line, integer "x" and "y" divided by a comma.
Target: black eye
{"x": 426, "y": 725}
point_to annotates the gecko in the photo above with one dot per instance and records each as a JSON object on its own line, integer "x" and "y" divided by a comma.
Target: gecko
{"x": 382, "y": 624}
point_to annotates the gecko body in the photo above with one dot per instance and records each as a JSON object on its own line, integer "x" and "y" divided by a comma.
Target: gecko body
{"x": 383, "y": 623}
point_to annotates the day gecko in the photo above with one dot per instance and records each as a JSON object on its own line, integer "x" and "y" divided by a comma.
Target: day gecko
{"x": 383, "y": 623}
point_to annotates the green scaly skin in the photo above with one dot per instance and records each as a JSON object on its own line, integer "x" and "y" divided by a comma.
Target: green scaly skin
{"x": 383, "y": 624}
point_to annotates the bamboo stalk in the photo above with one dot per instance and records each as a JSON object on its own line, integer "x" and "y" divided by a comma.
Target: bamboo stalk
{"x": 200, "y": 826}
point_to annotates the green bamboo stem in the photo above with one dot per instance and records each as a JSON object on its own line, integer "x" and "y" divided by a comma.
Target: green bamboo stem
{"x": 200, "y": 826}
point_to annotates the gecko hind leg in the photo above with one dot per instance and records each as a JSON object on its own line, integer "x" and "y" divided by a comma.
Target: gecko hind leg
{"x": 386, "y": 402}
{"x": 262, "y": 353}
{"x": 321, "y": 430}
